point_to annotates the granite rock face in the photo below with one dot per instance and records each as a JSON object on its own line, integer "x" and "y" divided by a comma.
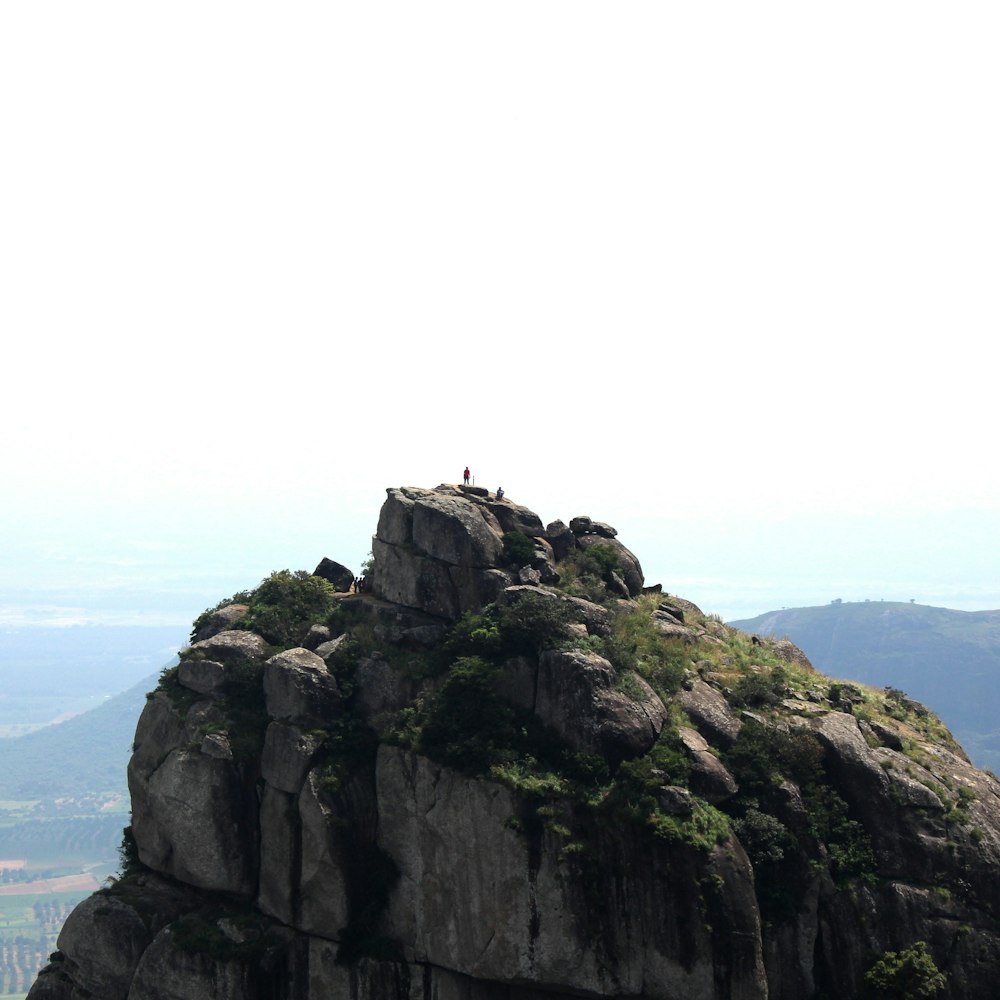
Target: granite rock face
{"x": 509, "y": 770}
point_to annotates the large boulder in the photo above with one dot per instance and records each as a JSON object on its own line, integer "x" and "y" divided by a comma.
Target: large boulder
{"x": 193, "y": 820}
{"x": 162, "y": 727}
{"x": 437, "y": 551}
{"x": 202, "y": 676}
{"x": 287, "y": 755}
{"x": 441, "y": 551}
{"x": 631, "y": 571}
{"x": 335, "y": 573}
{"x": 710, "y": 712}
{"x": 220, "y": 620}
{"x": 407, "y": 577}
{"x": 277, "y": 889}
{"x": 166, "y": 729}
{"x": 577, "y": 694}
{"x": 323, "y": 905}
{"x": 512, "y": 517}
{"x": 102, "y": 941}
{"x": 232, "y": 647}
{"x": 709, "y": 777}
{"x": 456, "y": 531}
{"x": 105, "y": 936}
{"x": 560, "y": 538}
{"x": 169, "y": 971}
{"x": 299, "y": 688}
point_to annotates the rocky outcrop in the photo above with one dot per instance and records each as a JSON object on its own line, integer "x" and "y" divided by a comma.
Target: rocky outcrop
{"x": 709, "y": 777}
{"x": 219, "y": 620}
{"x": 299, "y": 688}
{"x": 509, "y": 770}
{"x": 476, "y": 894}
{"x": 575, "y": 694}
{"x": 337, "y": 574}
{"x": 711, "y": 713}
{"x": 191, "y": 821}
{"x": 441, "y": 551}
{"x": 437, "y": 551}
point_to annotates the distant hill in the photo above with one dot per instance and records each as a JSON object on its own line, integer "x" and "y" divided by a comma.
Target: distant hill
{"x": 949, "y": 660}
{"x": 85, "y": 755}
{"x": 47, "y": 673}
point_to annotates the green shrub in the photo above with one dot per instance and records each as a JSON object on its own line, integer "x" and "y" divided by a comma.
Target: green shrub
{"x": 665, "y": 764}
{"x": 284, "y": 606}
{"x": 847, "y": 842}
{"x": 633, "y": 795}
{"x": 759, "y": 760}
{"x": 752, "y": 762}
{"x": 704, "y": 829}
{"x": 526, "y": 776}
{"x": 909, "y": 974}
{"x": 760, "y": 688}
{"x": 599, "y": 560}
{"x": 586, "y": 572}
{"x": 246, "y": 712}
{"x": 348, "y": 744}
{"x": 466, "y": 725}
{"x": 589, "y": 587}
{"x": 518, "y": 548}
{"x": 635, "y": 643}
{"x": 128, "y": 856}
{"x": 845, "y": 696}
{"x": 181, "y": 698}
{"x": 532, "y": 624}
{"x": 765, "y": 838}
{"x": 473, "y": 635}
{"x": 800, "y": 756}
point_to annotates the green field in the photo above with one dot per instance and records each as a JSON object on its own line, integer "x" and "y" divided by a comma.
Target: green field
{"x": 29, "y": 927}
{"x": 35, "y": 914}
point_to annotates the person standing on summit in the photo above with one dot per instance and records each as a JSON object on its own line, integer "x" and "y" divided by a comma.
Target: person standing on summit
{"x": 465, "y": 476}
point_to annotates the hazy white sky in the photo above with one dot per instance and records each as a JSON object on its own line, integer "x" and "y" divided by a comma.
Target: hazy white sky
{"x": 724, "y": 275}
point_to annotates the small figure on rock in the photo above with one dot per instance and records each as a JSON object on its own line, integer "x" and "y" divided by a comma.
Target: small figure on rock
{"x": 465, "y": 476}
{"x": 499, "y": 493}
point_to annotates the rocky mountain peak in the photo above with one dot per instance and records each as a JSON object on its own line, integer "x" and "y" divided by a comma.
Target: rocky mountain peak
{"x": 504, "y": 767}
{"x": 442, "y": 551}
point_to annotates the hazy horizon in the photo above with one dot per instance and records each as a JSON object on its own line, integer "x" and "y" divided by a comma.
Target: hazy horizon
{"x": 730, "y": 568}
{"x": 721, "y": 276}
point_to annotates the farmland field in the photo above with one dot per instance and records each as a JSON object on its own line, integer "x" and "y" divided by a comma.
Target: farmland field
{"x": 63, "y": 793}
{"x": 66, "y": 860}
{"x": 29, "y": 925}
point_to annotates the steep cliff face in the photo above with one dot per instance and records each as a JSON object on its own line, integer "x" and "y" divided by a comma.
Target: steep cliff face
{"x": 506, "y": 769}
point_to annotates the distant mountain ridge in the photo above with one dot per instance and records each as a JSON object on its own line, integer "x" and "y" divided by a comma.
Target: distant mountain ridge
{"x": 87, "y": 754}
{"x": 48, "y": 673}
{"x": 950, "y": 660}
